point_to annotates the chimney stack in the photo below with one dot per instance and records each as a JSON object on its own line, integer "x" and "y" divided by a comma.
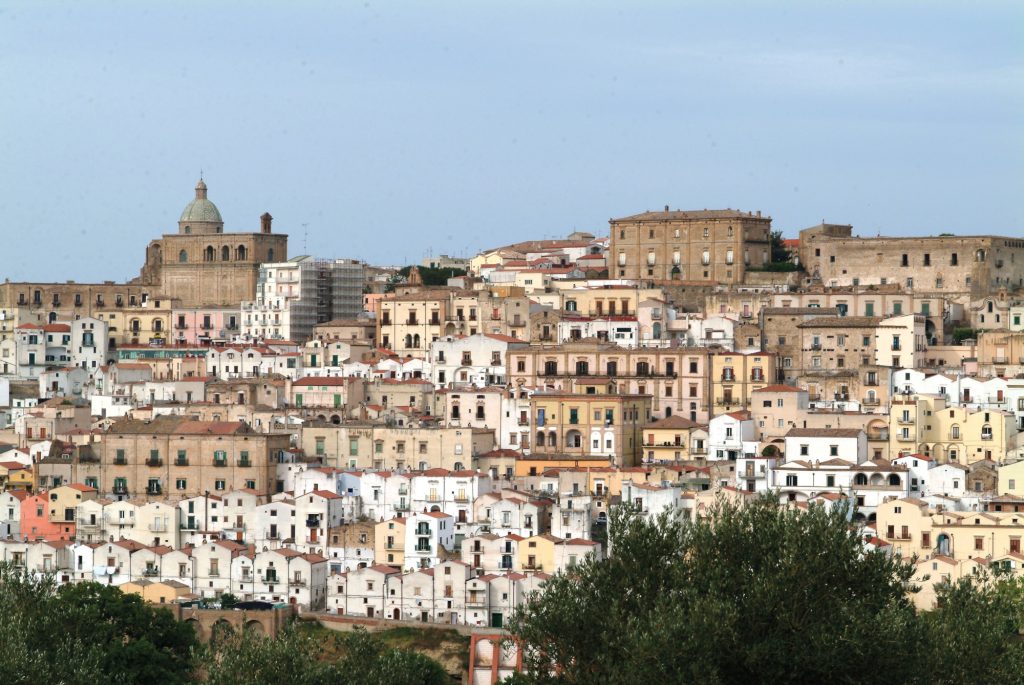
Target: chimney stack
{"x": 265, "y": 222}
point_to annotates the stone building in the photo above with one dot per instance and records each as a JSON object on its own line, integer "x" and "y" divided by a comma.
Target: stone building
{"x": 698, "y": 246}
{"x": 176, "y": 457}
{"x": 203, "y": 265}
{"x": 832, "y": 255}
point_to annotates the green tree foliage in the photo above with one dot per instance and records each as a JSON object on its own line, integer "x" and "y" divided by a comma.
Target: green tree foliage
{"x": 86, "y": 632}
{"x": 756, "y": 594}
{"x": 296, "y": 658}
{"x": 430, "y": 276}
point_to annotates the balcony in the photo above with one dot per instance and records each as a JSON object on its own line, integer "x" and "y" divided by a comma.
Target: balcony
{"x": 297, "y": 582}
{"x": 269, "y": 579}
{"x": 120, "y": 461}
{"x": 313, "y": 522}
{"x": 220, "y": 462}
{"x": 870, "y": 402}
{"x": 154, "y": 490}
{"x": 150, "y": 572}
{"x": 462, "y": 499}
{"x": 244, "y": 462}
{"x": 154, "y": 462}
{"x": 158, "y": 526}
{"x": 236, "y": 527}
{"x": 516, "y": 323}
{"x": 181, "y": 461}
{"x": 83, "y": 524}
{"x": 273, "y": 535}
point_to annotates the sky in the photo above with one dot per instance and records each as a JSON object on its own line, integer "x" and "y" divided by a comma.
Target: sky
{"x": 389, "y": 131}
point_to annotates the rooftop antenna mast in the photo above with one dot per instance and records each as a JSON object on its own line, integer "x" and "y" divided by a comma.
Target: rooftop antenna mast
{"x": 305, "y": 235}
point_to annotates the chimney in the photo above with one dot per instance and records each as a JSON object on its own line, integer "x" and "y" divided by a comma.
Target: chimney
{"x": 666, "y": 208}
{"x": 265, "y": 220}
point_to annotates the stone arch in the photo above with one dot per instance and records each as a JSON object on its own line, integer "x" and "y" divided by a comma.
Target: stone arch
{"x": 221, "y": 630}
{"x": 270, "y": 255}
{"x": 241, "y": 253}
{"x": 196, "y": 626}
{"x": 208, "y": 253}
{"x": 254, "y": 627}
{"x": 335, "y": 419}
{"x": 225, "y": 254}
{"x": 540, "y": 439}
{"x": 860, "y": 479}
{"x": 183, "y": 256}
{"x": 573, "y": 438}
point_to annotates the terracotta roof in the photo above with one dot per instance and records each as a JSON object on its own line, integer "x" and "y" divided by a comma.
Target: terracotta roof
{"x": 778, "y": 388}
{"x": 674, "y": 421}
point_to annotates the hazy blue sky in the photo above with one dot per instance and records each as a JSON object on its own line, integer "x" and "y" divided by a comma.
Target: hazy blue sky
{"x": 397, "y": 129}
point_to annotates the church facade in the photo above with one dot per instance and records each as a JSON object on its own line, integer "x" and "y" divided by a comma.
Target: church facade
{"x": 201, "y": 265}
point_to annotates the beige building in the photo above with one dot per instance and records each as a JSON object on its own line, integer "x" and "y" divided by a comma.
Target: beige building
{"x": 176, "y": 457}
{"x": 975, "y": 264}
{"x": 407, "y": 322}
{"x": 364, "y": 445}
{"x": 708, "y": 245}
{"x": 676, "y": 378}
{"x": 203, "y": 265}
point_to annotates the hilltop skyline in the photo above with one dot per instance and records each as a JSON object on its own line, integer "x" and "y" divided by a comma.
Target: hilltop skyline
{"x": 386, "y": 133}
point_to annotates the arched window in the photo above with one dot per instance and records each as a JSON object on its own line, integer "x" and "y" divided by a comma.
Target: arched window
{"x": 416, "y": 340}
{"x": 135, "y": 325}
{"x": 270, "y": 255}
{"x": 208, "y": 255}
{"x": 540, "y": 438}
{"x": 188, "y": 229}
{"x": 860, "y": 479}
{"x": 954, "y": 432}
{"x": 553, "y": 439}
{"x": 458, "y": 466}
{"x": 183, "y": 256}
{"x": 573, "y": 438}
{"x": 408, "y": 340}
{"x": 241, "y": 253}
{"x": 225, "y": 253}
{"x": 979, "y": 256}
{"x": 656, "y": 332}
{"x": 894, "y": 480}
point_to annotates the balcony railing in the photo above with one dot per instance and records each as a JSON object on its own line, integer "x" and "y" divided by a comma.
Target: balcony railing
{"x": 120, "y": 461}
{"x": 220, "y": 462}
{"x": 154, "y": 462}
{"x": 244, "y": 462}
{"x": 150, "y": 572}
{"x": 181, "y": 461}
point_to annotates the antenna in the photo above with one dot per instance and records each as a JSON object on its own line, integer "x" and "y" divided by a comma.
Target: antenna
{"x": 305, "y": 235}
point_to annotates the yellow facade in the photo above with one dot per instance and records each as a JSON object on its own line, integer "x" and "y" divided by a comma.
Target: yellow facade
{"x": 1011, "y": 479}
{"x": 673, "y": 439}
{"x": 537, "y": 553}
{"x": 139, "y": 324}
{"x": 588, "y": 426}
{"x": 912, "y": 528}
{"x": 735, "y": 376}
{"x": 924, "y": 424}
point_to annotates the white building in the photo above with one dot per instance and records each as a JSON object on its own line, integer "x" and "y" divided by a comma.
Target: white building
{"x": 425, "y": 535}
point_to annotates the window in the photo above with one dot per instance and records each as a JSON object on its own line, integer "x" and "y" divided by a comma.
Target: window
{"x": 218, "y": 484}
{"x": 804, "y": 450}
{"x": 181, "y": 484}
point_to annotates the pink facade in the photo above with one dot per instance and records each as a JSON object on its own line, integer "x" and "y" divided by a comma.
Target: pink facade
{"x": 370, "y": 301}
{"x": 36, "y": 524}
{"x": 204, "y": 325}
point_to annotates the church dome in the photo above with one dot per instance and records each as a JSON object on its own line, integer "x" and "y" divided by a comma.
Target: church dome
{"x": 201, "y": 209}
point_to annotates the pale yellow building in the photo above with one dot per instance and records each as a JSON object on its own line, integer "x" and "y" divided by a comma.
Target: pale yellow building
{"x": 364, "y": 445}
{"x": 735, "y": 376}
{"x": 594, "y": 423}
{"x": 925, "y": 424}
{"x": 389, "y": 542}
{"x": 674, "y": 439}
